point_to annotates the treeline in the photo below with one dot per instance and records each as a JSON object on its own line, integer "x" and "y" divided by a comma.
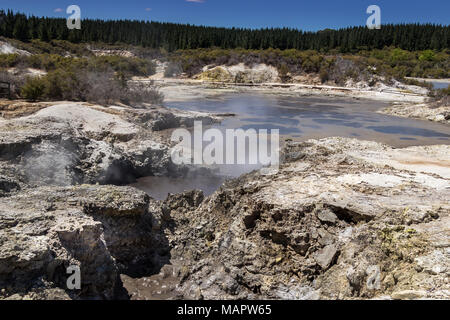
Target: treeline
{"x": 171, "y": 37}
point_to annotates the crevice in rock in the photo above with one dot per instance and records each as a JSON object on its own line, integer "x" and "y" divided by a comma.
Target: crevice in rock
{"x": 348, "y": 215}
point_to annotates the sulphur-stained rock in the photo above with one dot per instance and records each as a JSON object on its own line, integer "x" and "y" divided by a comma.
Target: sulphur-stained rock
{"x": 104, "y": 230}
{"x": 240, "y": 73}
{"x": 341, "y": 221}
{"x": 41, "y": 294}
{"x": 408, "y": 294}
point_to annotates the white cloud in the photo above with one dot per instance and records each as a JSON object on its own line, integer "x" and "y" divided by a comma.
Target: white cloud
{"x": 148, "y": 9}
{"x": 196, "y": 1}
{"x": 58, "y": 10}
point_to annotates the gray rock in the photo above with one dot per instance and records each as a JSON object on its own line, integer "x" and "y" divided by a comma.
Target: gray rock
{"x": 327, "y": 216}
{"x": 103, "y": 229}
{"x": 325, "y": 256}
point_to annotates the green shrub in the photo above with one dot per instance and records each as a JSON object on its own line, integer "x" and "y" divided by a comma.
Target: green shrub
{"x": 61, "y": 85}
{"x": 283, "y": 71}
{"x": 140, "y": 93}
{"x": 324, "y": 75}
{"x": 33, "y": 89}
{"x": 400, "y": 55}
{"x": 427, "y": 55}
{"x": 125, "y": 65}
{"x": 444, "y": 92}
{"x": 49, "y": 62}
{"x": 95, "y": 87}
{"x": 9, "y": 60}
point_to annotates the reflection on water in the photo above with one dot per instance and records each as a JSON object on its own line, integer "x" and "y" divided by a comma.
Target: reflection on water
{"x": 276, "y": 120}
{"x": 300, "y": 118}
{"x": 407, "y": 138}
{"x": 408, "y": 131}
{"x": 270, "y": 126}
{"x": 339, "y": 122}
{"x": 440, "y": 85}
{"x": 319, "y": 117}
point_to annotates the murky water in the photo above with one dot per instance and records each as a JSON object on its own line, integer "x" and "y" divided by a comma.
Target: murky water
{"x": 299, "y": 118}
{"x": 440, "y": 84}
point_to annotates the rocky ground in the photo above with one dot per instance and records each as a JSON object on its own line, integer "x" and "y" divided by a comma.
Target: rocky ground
{"x": 438, "y": 111}
{"x": 104, "y": 230}
{"x": 342, "y": 219}
{"x": 57, "y": 209}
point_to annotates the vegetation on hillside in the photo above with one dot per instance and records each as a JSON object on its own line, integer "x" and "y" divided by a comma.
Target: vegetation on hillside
{"x": 96, "y": 79}
{"x": 49, "y": 62}
{"x": 388, "y": 62}
{"x": 99, "y": 87}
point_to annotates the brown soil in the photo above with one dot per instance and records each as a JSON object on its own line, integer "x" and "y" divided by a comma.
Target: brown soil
{"x": 10, "y": 109}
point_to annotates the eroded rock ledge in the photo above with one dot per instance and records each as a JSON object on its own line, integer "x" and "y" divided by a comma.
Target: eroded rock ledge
{"x": 105, "y": 230}
{"x": 342, "y": 219}
{"x": 438, "y": 111}
{"x": 73, "y": 143}
{"x": 55, "y": 212}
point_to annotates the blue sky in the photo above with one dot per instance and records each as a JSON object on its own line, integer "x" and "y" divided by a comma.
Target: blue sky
{"x": 300, "y": 14}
